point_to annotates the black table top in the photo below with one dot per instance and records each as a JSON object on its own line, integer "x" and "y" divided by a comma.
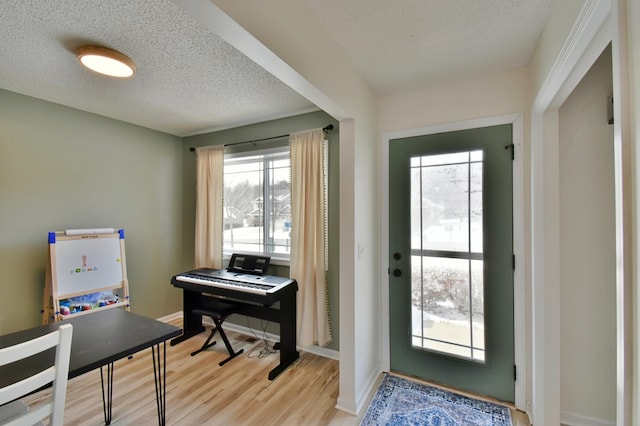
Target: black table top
{"x": 98, "y": 339}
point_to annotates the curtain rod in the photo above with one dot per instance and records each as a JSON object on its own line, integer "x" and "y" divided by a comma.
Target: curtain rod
{"x": 325, "y": 129}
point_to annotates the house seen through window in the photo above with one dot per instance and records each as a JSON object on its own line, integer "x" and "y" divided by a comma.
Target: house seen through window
{"x": 257, "y": 203}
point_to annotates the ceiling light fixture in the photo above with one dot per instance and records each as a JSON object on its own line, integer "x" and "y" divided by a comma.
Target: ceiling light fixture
{"x": 106, "y": 61}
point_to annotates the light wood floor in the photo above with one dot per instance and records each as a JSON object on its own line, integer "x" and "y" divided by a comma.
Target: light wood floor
{"x": 199, "y": 392}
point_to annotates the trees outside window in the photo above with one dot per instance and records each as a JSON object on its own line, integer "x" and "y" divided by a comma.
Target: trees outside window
{"x": 257, "y": 203}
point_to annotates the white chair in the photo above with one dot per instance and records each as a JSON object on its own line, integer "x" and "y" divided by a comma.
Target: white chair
{"x": 13, "y": 412}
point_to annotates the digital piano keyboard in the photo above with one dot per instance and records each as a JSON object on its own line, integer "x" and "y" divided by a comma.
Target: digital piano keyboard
{"x": 255, "y": 294}
{"x": 243, "y": 286}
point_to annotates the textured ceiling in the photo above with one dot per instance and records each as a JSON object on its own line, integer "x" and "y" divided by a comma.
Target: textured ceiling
{"x": 190, "y": 81}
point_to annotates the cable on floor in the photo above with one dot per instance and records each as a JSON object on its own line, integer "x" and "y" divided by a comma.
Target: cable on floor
{"x": 264, "y": 348}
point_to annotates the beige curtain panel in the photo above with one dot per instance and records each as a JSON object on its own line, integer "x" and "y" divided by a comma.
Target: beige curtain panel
{"x": 209, "y": 196}
{"x": 308, "y": 265}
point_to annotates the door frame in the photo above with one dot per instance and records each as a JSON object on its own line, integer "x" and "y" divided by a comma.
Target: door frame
{"x": 599, "y": 23}
{"x": 519, "y": 296}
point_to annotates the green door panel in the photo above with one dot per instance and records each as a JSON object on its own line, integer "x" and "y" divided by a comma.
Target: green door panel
{"x": 434, "y": 268}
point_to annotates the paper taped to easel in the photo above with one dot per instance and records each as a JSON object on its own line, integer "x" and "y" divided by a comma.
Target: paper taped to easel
{"x": 90, "y": 231}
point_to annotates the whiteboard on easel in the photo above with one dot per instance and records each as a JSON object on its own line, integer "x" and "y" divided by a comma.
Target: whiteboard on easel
{"x": 87, "y": 264}
{"x": 86, "y": 260}
{"x": 87, "y": 272}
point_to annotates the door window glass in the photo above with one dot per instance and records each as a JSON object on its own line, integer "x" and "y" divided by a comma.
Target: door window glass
{"x": 447, "y": 269}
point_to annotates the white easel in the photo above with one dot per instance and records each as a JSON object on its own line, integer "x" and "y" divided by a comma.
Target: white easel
{"x": 84, "y": 263}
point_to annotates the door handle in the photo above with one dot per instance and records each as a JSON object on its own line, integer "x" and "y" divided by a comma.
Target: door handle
{"x": 397, "y": 272}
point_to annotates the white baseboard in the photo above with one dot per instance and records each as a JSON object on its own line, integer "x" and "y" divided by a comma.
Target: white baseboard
{"x": 370, "y": 390}
{"x": 347, "y": 407}
{"x": 171, "y": 317}
{"x": 316, "y": 350}
{"x": 571, "y": 419}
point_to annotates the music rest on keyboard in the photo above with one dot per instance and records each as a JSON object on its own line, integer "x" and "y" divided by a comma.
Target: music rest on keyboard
{"x": 257, "y": 284}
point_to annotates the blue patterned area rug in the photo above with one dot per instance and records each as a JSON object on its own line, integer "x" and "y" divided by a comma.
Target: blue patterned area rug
{"x": 404, "y": 402}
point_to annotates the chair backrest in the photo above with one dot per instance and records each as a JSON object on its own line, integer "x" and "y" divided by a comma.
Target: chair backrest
{"x": 56, "y": 374}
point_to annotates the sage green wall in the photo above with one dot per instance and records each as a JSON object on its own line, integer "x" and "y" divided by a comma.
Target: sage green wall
{"x": 62, "y": 168}
{"x": 258, "y": 131}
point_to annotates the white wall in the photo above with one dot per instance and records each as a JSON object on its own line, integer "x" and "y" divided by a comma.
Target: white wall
{"x": 484, "y": 96}
{"x": 633, "y": 25}
{"x": 587, "y": 251}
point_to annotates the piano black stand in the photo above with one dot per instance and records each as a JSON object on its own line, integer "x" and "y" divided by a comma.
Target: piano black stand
{"x": 196, "y": 296}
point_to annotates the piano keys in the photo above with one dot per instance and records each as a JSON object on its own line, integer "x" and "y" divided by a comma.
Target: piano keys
{"x": 266, "y": 286}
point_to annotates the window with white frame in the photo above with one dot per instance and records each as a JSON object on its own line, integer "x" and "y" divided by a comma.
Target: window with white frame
{"x": 257, "y": 202}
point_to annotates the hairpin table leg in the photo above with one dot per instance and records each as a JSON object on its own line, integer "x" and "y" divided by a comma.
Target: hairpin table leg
{"x": 160, "y": 378}
{"x": 107, "y": 399}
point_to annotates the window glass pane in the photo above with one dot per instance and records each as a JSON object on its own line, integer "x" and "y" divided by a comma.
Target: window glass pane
{"x": 447, "y": 306}
{"x": 447, "y": 270}
{"x": 477, "y": 305}
{"x": 282, "y": 163}
{"x": 444, "y": 197}
{"x": 257, "y": 210}
{"x": 242, "y": 206}
{"x": 443, "y": 287}
{"x": 475, "y": 205}
{"x": 419, "y": 218}
{"x": 446, "y": 202}
{"x": 279, "y": 207}
{"x": 475, "y": 155}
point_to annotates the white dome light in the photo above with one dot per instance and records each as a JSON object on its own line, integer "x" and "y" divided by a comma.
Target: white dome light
{"x": 106, "y": 61}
